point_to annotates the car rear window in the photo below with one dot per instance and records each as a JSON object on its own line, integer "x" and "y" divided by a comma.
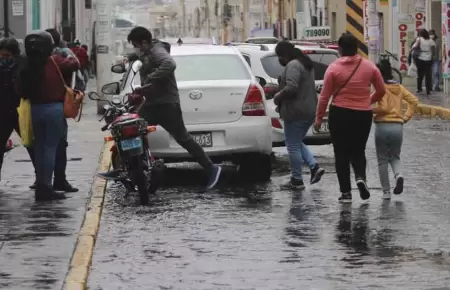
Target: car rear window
{"x": 321, "y": 62}
{"x": 210, "y": 67}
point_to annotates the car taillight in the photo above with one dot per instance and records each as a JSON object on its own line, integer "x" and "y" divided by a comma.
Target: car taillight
{"x": 276, "y": 123}
{"x": 129, "y": 131}
{"x": 254, "y": 103}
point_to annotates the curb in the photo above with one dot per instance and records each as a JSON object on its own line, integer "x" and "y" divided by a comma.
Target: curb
{"x": 80, "y": 262}
{"x": 433, "y": 111}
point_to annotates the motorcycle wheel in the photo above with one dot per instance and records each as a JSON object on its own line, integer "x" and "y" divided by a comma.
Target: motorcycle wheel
{"x": 139, "y": 179}
{"x": 156, "y": 176}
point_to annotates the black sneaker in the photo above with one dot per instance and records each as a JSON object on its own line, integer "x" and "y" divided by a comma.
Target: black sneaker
{"x": 64, "y": 187}
{"x": 296, "y": 184}
{"x": 399, "y": 185}
{"x": 214, "y": 177}
{"x": 316, "y": 174}
{"x": 363, "y": 189}
{"x": 345, "y": 197}
{"x": 46, "y": 193}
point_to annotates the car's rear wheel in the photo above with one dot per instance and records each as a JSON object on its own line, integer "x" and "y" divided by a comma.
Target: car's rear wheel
{"x": 255, "y": 166}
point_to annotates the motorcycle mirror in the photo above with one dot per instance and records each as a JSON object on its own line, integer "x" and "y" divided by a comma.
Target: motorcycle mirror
{"x": 93, "y": 96}
{"x": 106, "y": 107}
{"x": 111, "y": 88}
{"x": 136, "y": 66}
{"x": 118, "y": 69}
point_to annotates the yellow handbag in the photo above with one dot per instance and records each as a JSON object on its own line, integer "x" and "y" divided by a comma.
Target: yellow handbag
{"x": 25, "y": 124}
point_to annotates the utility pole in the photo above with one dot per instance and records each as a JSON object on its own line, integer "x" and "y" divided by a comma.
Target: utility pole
{"x": 263, "y": 15}
{"x": 183, "y": 11}
{"x": 373, "y": 30}
{"x": 208, "y": 18}
{"x": 103, "y": 37}
{"x": 244, "y": 19}
{"x": 6, "y": 17}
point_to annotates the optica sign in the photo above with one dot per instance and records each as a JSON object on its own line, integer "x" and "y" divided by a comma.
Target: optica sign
{"x": 420, "y": 21}
{"x": 403, "y": 30}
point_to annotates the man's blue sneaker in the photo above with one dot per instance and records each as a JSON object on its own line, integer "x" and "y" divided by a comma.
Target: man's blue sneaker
{"x": 214, "y": 178}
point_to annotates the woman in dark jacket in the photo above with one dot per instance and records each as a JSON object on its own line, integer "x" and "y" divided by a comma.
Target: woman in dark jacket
{"x": 40, "y": 82}
{"x": 10, "y": 63}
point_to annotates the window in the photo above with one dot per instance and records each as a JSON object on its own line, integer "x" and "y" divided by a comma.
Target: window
{"x": 247, "y": 59}
{"x": 88, "y": 4}
{"x": 210, "y": 67}
{"x": 321, "y": 62}
{"x": 36, "y": 14}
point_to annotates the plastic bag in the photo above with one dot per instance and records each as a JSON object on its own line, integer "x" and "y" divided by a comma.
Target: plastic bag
{"x": 25, "y": 124}
{"x": 412, "y": 70}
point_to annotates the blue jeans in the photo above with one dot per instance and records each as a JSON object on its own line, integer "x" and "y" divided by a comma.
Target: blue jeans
{"x": 48, "y": 129}
{"x": 436, "y": 73}
{"x": 388, "y": 143}
{"x": 294, "y": 133}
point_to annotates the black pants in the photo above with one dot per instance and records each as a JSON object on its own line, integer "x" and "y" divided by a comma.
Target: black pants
{"x": 9, "y": 122}
{"x": 61, "y": 158}
{"x": 349, "y": 130}
{"x": 169, "y": 116}
{"x": 424, "y": 71}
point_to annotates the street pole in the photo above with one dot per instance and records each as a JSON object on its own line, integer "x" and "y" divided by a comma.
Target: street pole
{"x": 263, "y": 15}
{"x": 104, "y": 12}
{"x": 6, "y": 17}
{"x": 373, "y": 30}
{"x": 244, "y": 20}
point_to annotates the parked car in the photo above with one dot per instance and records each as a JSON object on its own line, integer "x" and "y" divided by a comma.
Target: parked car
{"x": 264, "y": 62}
{"x": 224, "y": 108}
{"x": 262, "y": 40}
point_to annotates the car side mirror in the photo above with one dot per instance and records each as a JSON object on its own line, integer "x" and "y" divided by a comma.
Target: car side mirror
{"x": 261, "y": 81}
{"x": 93, "y": 96}
{"x": 111, "y": 88}
{"x": 118, "y": 69}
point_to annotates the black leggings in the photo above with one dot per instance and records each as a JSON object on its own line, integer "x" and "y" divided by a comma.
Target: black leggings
{"x": 349, "y": 130}
{"x": 424, "y": 71}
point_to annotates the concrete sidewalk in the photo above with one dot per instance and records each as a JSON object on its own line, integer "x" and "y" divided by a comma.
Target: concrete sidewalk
{"x": 434, "y": 99}
{"x": 37, "y": 240}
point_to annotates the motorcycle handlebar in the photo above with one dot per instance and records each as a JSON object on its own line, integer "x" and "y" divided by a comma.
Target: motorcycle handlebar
{"x": 104, "y": 128}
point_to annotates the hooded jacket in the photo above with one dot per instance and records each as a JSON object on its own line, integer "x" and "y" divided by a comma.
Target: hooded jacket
{"x": 390, "y": 107}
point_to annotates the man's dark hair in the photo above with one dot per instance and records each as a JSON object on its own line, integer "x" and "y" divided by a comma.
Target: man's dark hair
{"x": 55, "y": 35}
{"x": 348, "y": 44}
{"x": 140, "y": 34}
{"x": 10, "y": 44}
{"x": 286, "y": 49}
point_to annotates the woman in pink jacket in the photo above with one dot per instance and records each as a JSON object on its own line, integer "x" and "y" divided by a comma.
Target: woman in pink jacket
{"x": 347, "y": 84}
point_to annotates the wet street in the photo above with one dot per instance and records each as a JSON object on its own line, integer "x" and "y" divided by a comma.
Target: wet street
{"x": 246, "y": 236}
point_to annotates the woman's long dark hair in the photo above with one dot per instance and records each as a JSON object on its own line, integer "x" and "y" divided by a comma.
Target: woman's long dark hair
{"x": 32, "y": 75}
{"x": 287, "y": 50}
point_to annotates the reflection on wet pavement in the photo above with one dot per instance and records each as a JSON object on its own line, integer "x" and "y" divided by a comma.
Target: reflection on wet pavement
{"x": 244, "y": 236}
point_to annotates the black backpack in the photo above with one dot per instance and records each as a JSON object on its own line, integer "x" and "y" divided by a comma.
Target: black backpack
{"x": 37, "y": 44}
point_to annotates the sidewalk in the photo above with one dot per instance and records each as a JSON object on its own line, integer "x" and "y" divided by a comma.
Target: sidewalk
{"x": 37, "y": 240}
{"x": 435, "y": 99}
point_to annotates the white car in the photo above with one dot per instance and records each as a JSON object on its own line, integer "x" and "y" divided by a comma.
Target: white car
{"x": 264, "y": 63}
{"x": 224, "y": 109}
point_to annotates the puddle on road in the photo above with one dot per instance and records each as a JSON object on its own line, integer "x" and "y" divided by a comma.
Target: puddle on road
{"x": 258, "y": 236}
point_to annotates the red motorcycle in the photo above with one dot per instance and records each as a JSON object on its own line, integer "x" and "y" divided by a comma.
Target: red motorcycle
{"x": 133, "y": 164}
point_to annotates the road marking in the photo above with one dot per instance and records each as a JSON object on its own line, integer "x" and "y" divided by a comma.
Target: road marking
{"x": 80, "y": 263}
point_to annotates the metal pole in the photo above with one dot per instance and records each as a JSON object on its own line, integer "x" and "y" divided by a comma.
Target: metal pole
{"x": 183, "y": 10}
{"x": 104, "y": 14}
{"x": 244, "y": 22}
{"x": 6, "y": 17}
{"x": 373, "y": 30}
{"x": 263, "y": 15}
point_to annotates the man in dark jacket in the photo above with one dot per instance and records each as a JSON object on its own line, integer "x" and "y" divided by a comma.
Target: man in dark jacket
{"x": 10, "y": 63}
{"x": 162, "y": 105}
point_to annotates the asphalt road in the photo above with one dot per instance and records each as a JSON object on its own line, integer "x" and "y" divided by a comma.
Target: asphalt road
{"x": 259, "y": 236}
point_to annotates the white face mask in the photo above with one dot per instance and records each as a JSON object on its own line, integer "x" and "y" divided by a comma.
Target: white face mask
{"x": 138, "y": 51}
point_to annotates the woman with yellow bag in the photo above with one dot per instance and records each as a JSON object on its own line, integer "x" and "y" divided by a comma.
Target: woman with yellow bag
{"x": 10, "y": 63}
{"x": 40, "y": 83}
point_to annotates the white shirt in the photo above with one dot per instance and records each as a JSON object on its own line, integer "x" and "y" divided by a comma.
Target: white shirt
{"x": 426, "y": 48}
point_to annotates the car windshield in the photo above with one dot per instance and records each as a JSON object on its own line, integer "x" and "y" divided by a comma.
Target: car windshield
{"x": 321, "y": 62}
{"x": 210, "y": 67}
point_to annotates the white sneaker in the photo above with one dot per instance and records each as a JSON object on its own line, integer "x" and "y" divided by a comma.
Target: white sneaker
{"x": 387, "y": 195}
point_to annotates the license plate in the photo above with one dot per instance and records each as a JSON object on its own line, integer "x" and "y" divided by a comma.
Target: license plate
{"x": 130, "y": 144}
{"x": 203, "y": 139}
{"x": 323, "y": 129}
